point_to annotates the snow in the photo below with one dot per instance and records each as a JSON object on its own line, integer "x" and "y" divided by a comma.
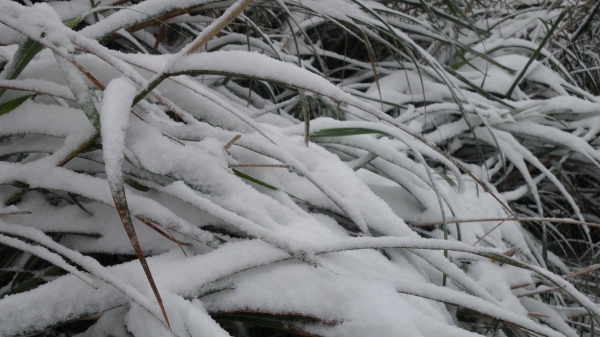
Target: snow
{"x": 51, "y": 120}
{"x": 258, "y": 287}
{"x": 333, "y": 238}
{"x": 114, "y": 120}
{"x": 95, "y": 188}
{"x": 38, "y": 86}
{"x": 42, "y": 252}
{"x": 86, "y": 262}
{"x": 137, "y": 13}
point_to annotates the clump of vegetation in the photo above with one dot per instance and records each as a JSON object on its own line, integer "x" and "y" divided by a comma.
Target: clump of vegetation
{"x": 299, "y": 167}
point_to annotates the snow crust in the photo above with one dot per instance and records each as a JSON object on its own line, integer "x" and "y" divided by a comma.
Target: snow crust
{"x": 326, "y": 233}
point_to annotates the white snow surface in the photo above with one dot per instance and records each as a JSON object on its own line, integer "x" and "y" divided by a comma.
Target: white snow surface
{"x": 325, "y": 236}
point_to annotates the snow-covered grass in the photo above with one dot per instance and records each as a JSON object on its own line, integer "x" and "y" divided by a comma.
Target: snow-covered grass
{"x": 299, "y": 167}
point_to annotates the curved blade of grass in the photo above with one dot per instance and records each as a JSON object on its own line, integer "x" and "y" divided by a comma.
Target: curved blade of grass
{"x": 115, "y": 120}
{"x": 536, "y": 53}
{"x": 254, "y": 180}
{"x": 84, "y": 96}
{"x": 76, "y": 202}
{"x": 136, "y": 185}
{"x": 80, "y": 90}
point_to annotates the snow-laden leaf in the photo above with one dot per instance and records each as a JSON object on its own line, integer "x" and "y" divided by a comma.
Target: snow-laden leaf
{"x": 115, "y": 119}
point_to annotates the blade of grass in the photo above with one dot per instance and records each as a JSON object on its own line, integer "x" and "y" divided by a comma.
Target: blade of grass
{"x": 11, "y": 105}
{"x": 115, "y": 121}
{"x": 536, "y": 53}
{"x": 306, "y": 115}
{"x": 22, "y": 57}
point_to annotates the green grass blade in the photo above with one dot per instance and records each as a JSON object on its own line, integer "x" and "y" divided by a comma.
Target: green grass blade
{"x": 342, "y": 132}
{"x": 254, "y": 180}
{"x": 536, "y": 53}
{"x": 11, "y": 105}
{"x": 21, "y": 59}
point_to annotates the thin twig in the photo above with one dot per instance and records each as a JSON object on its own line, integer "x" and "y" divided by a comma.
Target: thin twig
{"x": 541, "y": 291}
{"x": 585, "y": 326}
{"x": 582, "y": 271}
{"x": 491, "y": 230}
{"x": 216, "y": 26}
{"x": 161, "y": 35}
{"x": 154, "y": 226}
{"x": 232, "y": 141}
{"x": 164, "y": 134}
{"x": 519, "y": 286}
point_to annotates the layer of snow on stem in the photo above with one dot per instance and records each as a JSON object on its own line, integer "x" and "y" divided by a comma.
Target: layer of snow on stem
{"x": 114, "y": 119}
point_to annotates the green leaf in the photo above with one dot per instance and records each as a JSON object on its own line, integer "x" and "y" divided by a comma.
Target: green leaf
{"x": 95, "y": 14}
{"x": 136, "y": 185}
{"x": 254, "y": 180}
{"x": 341, "y": 132}
{"x": 265, "y": 319}
{"x": 450, "y": 181}
{"x": 536, "y": 53}
{"x": 76, "y": 202}
{"x": 16, "y": 197}
{"x": 87, "y": 235}
{"x": 84, "y": 95}
{"x": 262, "y": 183}
{"x": 226, "y": 80}
{"x": 213, "y": 289}
{"x": 11, "y": 105}
{"x": 22, "y": 57}
{"x": 19, "y": 184}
